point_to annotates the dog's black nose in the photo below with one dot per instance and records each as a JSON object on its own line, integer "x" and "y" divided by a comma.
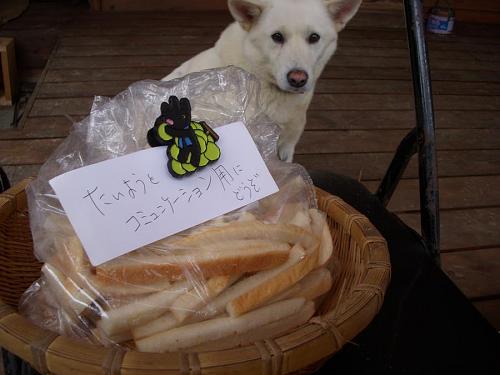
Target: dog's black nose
{"x": 297, "y": 78}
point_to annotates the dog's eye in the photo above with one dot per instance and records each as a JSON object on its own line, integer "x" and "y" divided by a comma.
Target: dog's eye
{"x": 313, "y": 38}
{"x": 278, "y": 38}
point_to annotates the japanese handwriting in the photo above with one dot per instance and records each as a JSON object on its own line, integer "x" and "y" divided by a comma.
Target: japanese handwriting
{"x": 231, "y": 178}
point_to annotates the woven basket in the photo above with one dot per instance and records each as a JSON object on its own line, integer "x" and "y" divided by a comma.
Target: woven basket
{"x": 354, "y": 300}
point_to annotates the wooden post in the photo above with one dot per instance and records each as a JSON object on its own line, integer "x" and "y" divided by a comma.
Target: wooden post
{"x": 96, "y": 5}
{"x": 8, "y": 88}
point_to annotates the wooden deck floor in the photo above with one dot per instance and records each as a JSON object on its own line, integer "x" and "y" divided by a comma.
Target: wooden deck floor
{"x": 362, "y": 109}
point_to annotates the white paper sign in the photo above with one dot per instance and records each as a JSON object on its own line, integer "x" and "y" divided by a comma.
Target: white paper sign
{"x": 121, "y": 204}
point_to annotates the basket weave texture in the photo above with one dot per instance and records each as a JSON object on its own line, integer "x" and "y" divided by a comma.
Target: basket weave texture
{"x": 355, "y": 298}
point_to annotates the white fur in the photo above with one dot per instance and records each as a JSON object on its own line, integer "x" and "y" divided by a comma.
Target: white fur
{"x": 247, "y": 43}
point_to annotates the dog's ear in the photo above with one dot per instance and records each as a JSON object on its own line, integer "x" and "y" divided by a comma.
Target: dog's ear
{"x": 342, "y": 11}
{"x": 246, "y": 12}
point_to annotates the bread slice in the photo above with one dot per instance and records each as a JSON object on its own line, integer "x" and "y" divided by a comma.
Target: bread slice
{"x": 217, "y": 306}
{"x": 121, "y": 289}
{"x": 195, "y": 334}
{"x": 301, "y": 219}
{"x": 71, "y": 297}
{"x": 183, "y": 307}
{"x": 313, "y": 285}
{"x": 164, "y": 323}
{"x": 322, "y": 231}
{"x": 141, "y": 311}
{"x": 268, "y": 287}
{"x": 288, "y": 233}
{"x": 192, "y": 301}
{"x": 266, "y": 331}
{"x": 207, "y": 261}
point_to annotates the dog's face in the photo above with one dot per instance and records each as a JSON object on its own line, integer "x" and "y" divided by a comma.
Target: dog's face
{"x": 291, "y": 40}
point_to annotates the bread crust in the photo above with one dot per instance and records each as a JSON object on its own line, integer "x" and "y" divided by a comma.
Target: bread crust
{"x": 205, "y": 262}
{"x": 194, "y": 334}
{"x": 272, "y": 286}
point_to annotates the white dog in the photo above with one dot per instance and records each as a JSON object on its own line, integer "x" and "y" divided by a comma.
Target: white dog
{"x": 286, "y": 44}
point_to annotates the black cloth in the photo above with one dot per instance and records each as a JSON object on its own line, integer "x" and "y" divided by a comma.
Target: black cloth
{"x": 426, "y": 325}
{"x": 4, "y": 181}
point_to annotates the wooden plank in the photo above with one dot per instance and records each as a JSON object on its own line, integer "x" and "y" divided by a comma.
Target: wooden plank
{"x": 438, "y": 46}
{"x": 350, "y": 86}
{"x": 464, "y": 76}
{"x": 358, "y": 86}
{"x": 42, "y": 127}
{"x": 464, "y": 229}
{"x": 372, "y": 166}
{"x": 342, "y": 141}
{"x": 468, "y": 88}
{"x": 106, "y": 29}
{"x": 156, "y": 21}
{"x": 466, "y": 119}
{"x": 48, "y": 127}
{"x": 490, "y": 309}
{"x": 401, "y": 102}
{"x": 401, "y": 62}
{"x": 81, "y": 73}
{"x": 474, "y": 272}
{"x": 59, "y": 126}
{"x": 155, "y": 5}
{"x": 8, "y": 83}
{"x": 92, "y": 68}
{"x": 21, "y": 152}
{"x": 143, "y": 16}
{"x": 79, "y": 89}
{"x": 203, "y": 41}
{"x": 127, "y": 50}
{"x": 313, "y": 142}
{"x": 179, "y": 47}
{"x": 107, "y": 74}
{"x": 102, "y": 30}
{"x": 483, "y": 5}
{"x": 362, "y": 102}
{"x": 390, "y": 18}
{"x": 98, "y": 62}
{"x": 454, "y": 192}
{"x": 352, "y": 67}
{"x": 61, "y": 107}
{"x": 444, "y": 119}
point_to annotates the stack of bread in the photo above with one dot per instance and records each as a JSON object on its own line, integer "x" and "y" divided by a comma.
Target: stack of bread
{"x": 244, "y": 277}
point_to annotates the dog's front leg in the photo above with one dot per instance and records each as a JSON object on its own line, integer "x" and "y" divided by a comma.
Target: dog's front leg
{"x": 289, "y": 137}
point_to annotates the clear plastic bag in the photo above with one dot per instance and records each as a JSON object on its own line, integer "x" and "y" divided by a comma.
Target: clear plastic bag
{"x": 247, "y": 275}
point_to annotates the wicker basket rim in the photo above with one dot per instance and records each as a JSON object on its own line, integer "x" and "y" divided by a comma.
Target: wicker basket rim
{"x": 328, "y": 327}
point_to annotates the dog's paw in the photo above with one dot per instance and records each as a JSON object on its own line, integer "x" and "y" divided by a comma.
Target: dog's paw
{"x": 285, "y": 152}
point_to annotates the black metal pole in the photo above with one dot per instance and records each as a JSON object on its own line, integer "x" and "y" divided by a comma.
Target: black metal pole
{"x": 406, "y": 149}
{"x": 427, "y": 160}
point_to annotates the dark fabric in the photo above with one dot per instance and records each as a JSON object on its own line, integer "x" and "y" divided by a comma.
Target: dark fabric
{"x": 4, "y": 181}
{"x": 426, "y": 325}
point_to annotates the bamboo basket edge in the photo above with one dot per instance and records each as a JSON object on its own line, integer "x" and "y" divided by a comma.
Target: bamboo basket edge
{"x": 326, "y": 332}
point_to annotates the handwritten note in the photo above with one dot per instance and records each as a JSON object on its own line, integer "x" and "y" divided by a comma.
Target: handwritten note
{"x": 121, "y": 204}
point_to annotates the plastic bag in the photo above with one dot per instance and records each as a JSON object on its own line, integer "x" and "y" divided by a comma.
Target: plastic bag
{"x": 247, "y": 275}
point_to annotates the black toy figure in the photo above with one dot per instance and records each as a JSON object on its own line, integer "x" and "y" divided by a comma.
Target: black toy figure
{"x": 191, "y": 144}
